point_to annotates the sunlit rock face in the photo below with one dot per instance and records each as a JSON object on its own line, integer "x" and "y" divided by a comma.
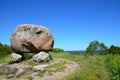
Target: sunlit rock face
{"x": 31, "y": 38}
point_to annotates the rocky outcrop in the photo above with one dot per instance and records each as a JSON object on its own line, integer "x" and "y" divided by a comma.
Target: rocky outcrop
{"x": 7, "y": 69}
{"x": 16, "y": 71}
{"x": 38, "y": 71}
{"x": 31, "y": 39}
{"x": 41, "y": 57}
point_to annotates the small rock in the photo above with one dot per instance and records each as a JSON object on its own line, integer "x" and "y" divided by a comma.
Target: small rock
{"x": 16, "y": 57}
{"x": 10, "y": 76}
{"x": 34, "y": 75}
{"x": 7, "y": 69}
{"x": 1, "y": 68}
{"x": 46, "y": 73}
{"x": 1, "y": 65}
{"x": 52, "y": 69}
{"x": 41, "y": 56}
{"x": 39, "y": 67}
{"x": 19, "y": 72}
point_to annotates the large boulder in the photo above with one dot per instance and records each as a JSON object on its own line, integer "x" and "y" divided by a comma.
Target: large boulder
{"x": 31, "y": 38}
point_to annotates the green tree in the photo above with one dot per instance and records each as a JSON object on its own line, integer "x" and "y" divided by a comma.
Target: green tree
{"x": 113, "y": 50}
{"x": 96, "y": 47}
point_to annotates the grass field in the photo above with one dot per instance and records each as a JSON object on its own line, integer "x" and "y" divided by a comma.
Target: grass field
{"x": 97, "y": 67}
{"x": 105, "y": 67}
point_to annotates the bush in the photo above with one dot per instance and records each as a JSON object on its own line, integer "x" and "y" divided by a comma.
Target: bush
{"x": 57, "y": 50}
{"x": 28, "y": 56}
{"x": 5, "y": 50}
{"x": 114, "y": 50}
{"x": 113, "y": 65}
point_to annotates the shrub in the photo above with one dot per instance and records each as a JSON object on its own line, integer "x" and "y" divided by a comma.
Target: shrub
{"x": 113, "y": 65}
{"x": 113, "y": 50}
{"x": 5, "y": 50}
{"x": 57, "y": 50}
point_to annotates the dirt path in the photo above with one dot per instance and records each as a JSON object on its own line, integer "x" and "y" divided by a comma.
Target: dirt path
{"x": 70, "y": 67}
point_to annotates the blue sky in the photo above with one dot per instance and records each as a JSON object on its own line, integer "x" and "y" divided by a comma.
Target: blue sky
{"x": 73, "y": 23}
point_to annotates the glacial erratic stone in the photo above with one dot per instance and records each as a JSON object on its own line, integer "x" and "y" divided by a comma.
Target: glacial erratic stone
{"x": 31, "y": 39}
{"x": 41, "y": 57}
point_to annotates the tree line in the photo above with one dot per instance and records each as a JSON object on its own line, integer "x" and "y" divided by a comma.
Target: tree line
{"x": 96, "y": 47}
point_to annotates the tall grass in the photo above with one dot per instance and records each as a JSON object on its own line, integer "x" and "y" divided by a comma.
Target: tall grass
{"x": 97, "y": 67}
{"x": 5, "y": 60}
{"x": 113, "y": 65}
